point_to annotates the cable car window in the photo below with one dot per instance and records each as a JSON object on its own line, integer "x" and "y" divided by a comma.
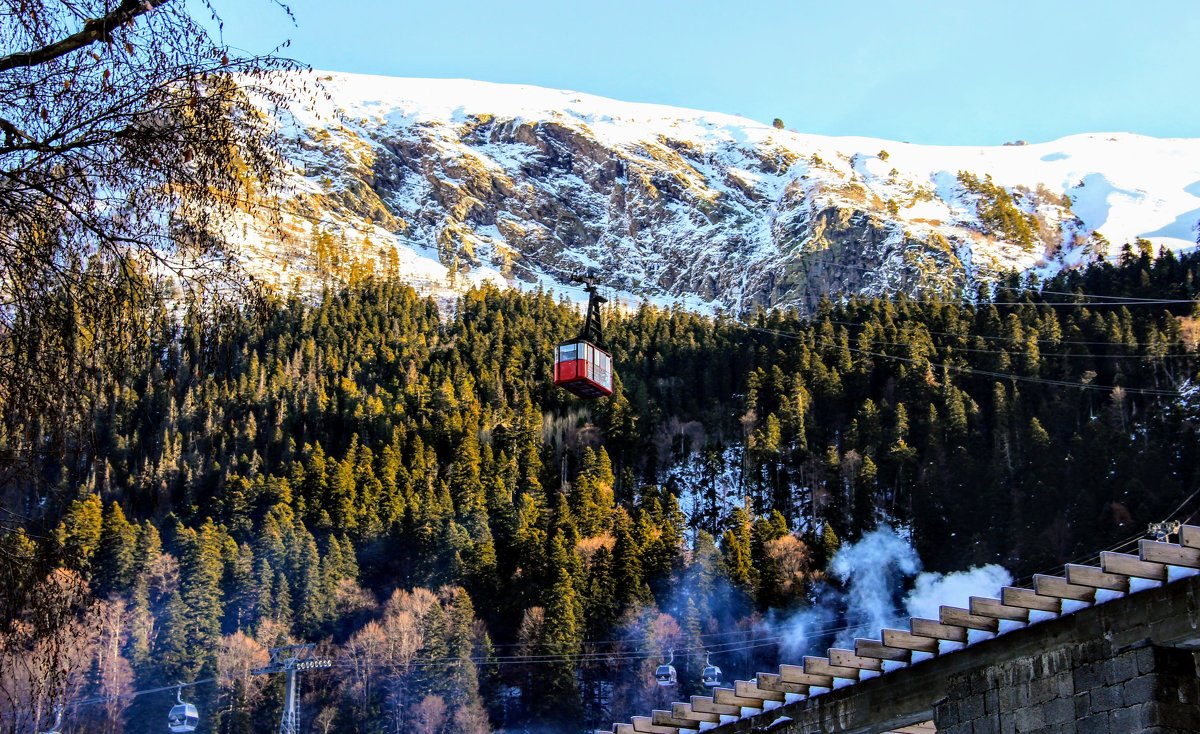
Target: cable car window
{"x": 566, "y": 352}
{"x": 604, "y": 373}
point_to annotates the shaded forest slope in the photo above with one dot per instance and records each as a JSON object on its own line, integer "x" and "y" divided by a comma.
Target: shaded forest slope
{"x": 410, "y": 490}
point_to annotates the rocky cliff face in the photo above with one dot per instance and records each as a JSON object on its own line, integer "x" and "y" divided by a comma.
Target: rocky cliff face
{"x": 449, "y": 182}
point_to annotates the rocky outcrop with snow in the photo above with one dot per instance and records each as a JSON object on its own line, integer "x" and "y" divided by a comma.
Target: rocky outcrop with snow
{"x": 448, "y": 182}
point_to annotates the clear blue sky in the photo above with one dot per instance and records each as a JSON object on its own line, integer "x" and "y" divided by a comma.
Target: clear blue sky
{"x": 926, "y": 71}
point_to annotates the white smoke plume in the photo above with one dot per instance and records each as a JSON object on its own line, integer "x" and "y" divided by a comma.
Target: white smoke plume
{"x": 874, "y": 573}
{"x": 800, "y": 630}
{"x": 874, "y": 570}
{"x": 932, "y": 590}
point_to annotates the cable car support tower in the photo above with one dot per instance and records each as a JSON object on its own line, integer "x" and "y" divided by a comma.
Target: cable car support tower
{"x": 591, "y": 323}
{"x": 291, "y": 660}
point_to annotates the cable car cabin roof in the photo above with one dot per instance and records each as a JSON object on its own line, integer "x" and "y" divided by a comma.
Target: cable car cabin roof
{"x": 583, "y": 369}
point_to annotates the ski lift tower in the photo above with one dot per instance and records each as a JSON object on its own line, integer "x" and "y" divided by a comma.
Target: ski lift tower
{"x": 290, "y": 660}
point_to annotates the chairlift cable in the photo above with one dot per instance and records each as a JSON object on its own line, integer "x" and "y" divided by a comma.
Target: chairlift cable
{"x": 971, "y": 371}
{"x": 819, "y": 320}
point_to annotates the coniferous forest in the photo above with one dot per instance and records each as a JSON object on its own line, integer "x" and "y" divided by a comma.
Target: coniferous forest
{"x": 475, "y": 550}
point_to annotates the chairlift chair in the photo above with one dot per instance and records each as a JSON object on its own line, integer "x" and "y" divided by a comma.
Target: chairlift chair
{"x": 711, "y": 677}
{"x": 183, "y": 716}
{"x": 57, "y": 728}
{"x": 665, "y": 675}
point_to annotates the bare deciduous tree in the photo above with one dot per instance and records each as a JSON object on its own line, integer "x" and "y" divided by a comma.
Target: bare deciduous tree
{"x": 113, "y": 672}
{"x": 45, "y": 649}
{"x": 237, "y": 658}
{"x": 128, "y": 135}
{"x": 429, "y": 716}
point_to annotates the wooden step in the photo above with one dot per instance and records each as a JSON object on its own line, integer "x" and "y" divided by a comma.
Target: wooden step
{"x": 797, "y": 674}
{"x": 729, "y": 697}
{"x": 685, "y": 711}
{"x": 987, "y": 607}
{"x": 1063, "y": 589}
{"x": 847, "y": 659}
{"x": 822, "y": 666}
{"x": 937, "y": 630}
{"x": 707, "y": 705}
{"x": 1127, "y": 565}
{"x": 1029, "y": 599}
{"x": 664, "y": 718}
{"x": 1152, "y": 551}
{"x": 959, "y": 617}
{"x": 646, "y": 725}
{"x": 908, "y": 641}
{"x": 1096, "y": 578}
{"x": 775, "y": 682}
{"x": 880, "y": 651}
{"x": 750, "y": 689}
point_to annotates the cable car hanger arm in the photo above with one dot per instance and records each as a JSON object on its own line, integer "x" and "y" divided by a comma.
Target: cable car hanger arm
{"x": 592, "y": 329}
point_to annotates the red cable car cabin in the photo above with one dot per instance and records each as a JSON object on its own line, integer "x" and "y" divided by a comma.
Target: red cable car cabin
{"x": 581, "y": 365}
{"x": 584, "y": 369}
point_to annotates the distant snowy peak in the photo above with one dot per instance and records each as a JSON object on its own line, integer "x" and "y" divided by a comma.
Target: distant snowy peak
{"x": 450, "y": 182}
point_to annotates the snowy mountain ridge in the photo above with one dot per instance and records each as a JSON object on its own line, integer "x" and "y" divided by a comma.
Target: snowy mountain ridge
{"x": 451, "y": 182}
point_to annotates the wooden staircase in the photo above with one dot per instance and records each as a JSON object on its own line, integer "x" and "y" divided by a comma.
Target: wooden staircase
{"x": 794, "y": 683}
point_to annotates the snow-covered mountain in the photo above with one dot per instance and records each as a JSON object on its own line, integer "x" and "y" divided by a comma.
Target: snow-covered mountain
{"x": 450, "y": 182}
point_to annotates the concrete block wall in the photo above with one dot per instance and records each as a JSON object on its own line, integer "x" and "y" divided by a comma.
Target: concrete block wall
{"x": 1087, "y": 688}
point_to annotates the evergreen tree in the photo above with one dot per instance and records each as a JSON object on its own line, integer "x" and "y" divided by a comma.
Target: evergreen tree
{"x": 116, "y": 552}
{"x": 79, "y": 533}
{"x": 735, "y": 550}
{"x": 560, "y": 703}
{"x": 200, "y": 572}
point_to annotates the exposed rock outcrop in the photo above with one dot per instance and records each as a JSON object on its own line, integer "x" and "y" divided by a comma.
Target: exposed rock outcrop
{"x": 669, "y": 204}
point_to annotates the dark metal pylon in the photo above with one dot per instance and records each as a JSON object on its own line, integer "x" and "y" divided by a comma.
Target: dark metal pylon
{"x": 592, "y": 330}
{"x": 290, "y": 660}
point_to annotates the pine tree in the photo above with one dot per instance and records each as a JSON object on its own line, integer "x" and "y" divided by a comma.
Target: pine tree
{"x": 865, "y": 496}
{"x": 79, "y": 533}
{"x": 466, "y": 486}
{"x": 735, "y": 550}
{"x": 116, "y": 552}
{"x": 600, "y": 602}
{"x": 310, "y": 600}
{"x": 694, "y": 643}
{"x": 769, "y": 582}
{"x": 146, "y": 554}
{"x": 200, "y": 573}
{"x": 460, "y": 644}
{"x": 560, "y": 703}
{"x": 627, "y": 564}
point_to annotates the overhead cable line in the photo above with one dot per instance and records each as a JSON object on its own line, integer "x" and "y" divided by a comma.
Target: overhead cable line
{"x": 755, "y": 642}
{"x": 93, "y": 700}
{"x": 1016, "y": 352}
{"x": 731, "y": 633}
{"x": 974, "y": 371}
{"x": 816, "y": 321}
{"x": 1122, "y": 545}
{"x": 622, "y": 656}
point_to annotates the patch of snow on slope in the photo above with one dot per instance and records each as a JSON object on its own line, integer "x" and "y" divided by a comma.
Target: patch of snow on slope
{"x": 1128, "y": 185}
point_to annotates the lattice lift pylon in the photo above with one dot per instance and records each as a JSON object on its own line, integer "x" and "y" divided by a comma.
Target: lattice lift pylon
{"x": 290, "y": 660}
